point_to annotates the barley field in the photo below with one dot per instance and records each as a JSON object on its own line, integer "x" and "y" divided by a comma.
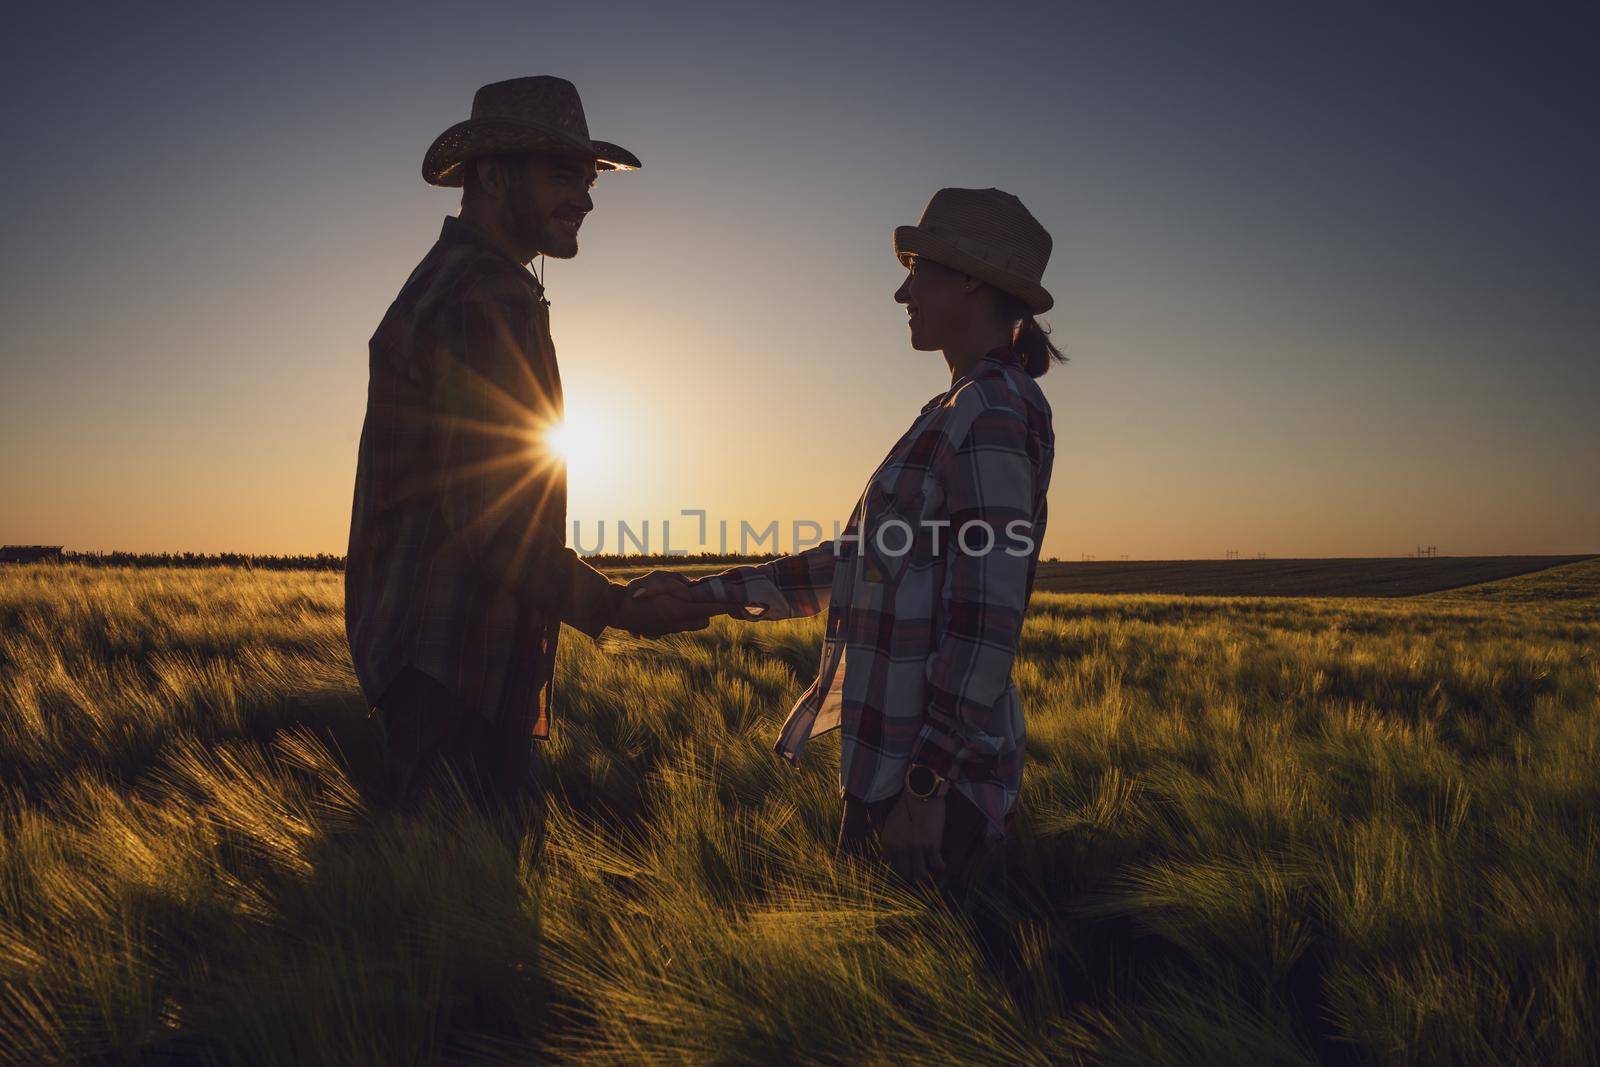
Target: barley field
{"x": 1252, "y": 831}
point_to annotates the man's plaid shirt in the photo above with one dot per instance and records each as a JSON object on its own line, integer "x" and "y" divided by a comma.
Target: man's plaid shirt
{"x": 458, "y": 564}
{"x": 917, "y": 653}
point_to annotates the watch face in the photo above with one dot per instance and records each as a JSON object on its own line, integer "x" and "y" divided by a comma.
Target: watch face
{"x": 921, "y": 781}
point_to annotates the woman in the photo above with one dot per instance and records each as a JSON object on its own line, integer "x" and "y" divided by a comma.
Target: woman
{"x": 927, "y": 585}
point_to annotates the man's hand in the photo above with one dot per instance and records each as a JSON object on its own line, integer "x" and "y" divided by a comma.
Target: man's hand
{"x": 659, "y": 615}
{"x": 672, "y": 584}
{"x": 659, "y": 583}
{"x": 913, "y": 835}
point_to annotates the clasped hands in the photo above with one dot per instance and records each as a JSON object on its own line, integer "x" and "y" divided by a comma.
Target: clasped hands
{"x": 660, "y": 603}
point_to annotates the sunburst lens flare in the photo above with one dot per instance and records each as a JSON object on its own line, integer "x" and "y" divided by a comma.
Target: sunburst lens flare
{"x": 556, "y": 441}
{"x": 580, "y": 442}
{"x": 568, "y": 440}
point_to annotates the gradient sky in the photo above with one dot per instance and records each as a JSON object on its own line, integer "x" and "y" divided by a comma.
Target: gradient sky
{"x": 1326, "y": 276}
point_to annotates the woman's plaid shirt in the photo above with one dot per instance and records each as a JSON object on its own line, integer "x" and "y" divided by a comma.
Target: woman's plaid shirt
{"x": 923, "y": 621}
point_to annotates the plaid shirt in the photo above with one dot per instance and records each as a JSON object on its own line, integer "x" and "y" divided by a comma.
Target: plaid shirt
{"x": 922, "y": 625}
{"x": 458, "y": 564}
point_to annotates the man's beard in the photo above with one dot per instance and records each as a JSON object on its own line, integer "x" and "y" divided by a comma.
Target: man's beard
{"x": 537, "y": 233}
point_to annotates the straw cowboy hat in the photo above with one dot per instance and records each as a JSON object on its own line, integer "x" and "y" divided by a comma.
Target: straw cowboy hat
{"x": 541, "y": 114}
{"x": 985, "y": 233}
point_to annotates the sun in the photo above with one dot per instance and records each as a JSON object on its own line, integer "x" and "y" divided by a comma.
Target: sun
{"x": 598, "y": 449}
{"x": 580, "y": 440}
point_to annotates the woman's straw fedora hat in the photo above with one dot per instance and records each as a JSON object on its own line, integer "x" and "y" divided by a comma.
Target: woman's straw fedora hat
{"x": 985, "y": 233}
{"x": 541, "y": 114}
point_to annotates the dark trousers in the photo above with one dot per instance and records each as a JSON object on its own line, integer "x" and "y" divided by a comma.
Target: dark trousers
{"x": 974, "y": 878}
{"x": 428, "y": 739}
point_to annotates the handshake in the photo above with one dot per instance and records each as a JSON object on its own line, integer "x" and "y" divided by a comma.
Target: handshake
{"x": 663, "y": 602}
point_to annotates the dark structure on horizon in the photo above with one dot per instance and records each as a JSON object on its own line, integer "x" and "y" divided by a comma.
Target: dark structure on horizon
{"x": 30, "y": 554}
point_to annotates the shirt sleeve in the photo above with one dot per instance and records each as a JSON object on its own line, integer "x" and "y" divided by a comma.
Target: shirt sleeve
{"x": 500, "y": 492}
{"x": 989, "y": 482}
{"x": 789, "y": 587}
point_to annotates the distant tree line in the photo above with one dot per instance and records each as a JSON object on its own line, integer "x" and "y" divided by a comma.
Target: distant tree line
{"x": 324, "y": 561}
{"x": 656, "y": 559}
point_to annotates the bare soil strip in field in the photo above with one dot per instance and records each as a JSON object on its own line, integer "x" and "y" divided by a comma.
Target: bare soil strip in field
{"x": 1359, "y": 577}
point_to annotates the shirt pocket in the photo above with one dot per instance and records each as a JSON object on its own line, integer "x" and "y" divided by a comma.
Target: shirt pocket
{"x": 894, "y": 536}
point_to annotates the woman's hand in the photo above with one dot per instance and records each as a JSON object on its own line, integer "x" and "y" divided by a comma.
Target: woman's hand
{"x": 913, "y": 837}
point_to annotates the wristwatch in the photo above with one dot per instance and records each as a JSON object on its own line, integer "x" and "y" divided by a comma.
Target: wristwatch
{"x": 925, "y": 783}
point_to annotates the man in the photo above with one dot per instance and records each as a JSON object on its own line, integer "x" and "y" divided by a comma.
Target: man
{"x": 458, "y": 576}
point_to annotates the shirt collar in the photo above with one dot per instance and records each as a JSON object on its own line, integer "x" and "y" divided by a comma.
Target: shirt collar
{"x": 1002, "y": 355}
{"x": 456, "y": 231}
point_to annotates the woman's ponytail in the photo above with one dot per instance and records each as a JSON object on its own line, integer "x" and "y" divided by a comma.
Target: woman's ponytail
{"x": 1030, "y": 339}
